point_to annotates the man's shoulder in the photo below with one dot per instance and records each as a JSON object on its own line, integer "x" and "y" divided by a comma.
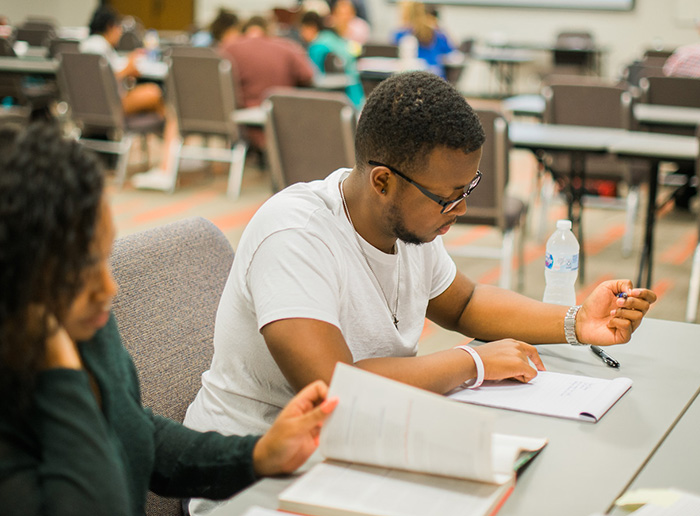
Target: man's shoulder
{"x": 303, "y": 206}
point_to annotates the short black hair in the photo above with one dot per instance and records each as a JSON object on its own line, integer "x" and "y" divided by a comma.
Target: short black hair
{"x": 410, "y": 114}
{"x": 313, "y": 19}
{"x": 50, "y": 195}
{"x": 103, "y": 19}
{"x": 256, "y": 21}
{"x": 224, "y": 20}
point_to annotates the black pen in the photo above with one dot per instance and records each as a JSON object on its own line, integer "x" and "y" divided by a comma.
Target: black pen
{"x": 607, "y": 359}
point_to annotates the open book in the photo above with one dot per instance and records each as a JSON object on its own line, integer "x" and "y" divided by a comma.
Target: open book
{"x": 395, "y": 450}
{"x": 568, "y": 396}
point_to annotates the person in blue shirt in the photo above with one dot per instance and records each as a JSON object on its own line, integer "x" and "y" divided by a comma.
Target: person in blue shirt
{"x": 433, "y": 44}
{"x": 323, "y": 41}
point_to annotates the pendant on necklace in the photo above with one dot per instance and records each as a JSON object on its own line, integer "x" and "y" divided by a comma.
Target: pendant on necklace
{"x": 396, "y": 321}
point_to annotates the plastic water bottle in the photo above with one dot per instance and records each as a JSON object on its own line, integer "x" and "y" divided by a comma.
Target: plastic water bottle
{"x": 561, "y": 266}
{"x": 151, "y": 42}
{"x": 408, "y": 52}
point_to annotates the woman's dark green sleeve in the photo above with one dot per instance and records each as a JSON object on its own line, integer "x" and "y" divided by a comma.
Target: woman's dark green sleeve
{"x": 203, "y": 465}
{"x": 76, "y": 471}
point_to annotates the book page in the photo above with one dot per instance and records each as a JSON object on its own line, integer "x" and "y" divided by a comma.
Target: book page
{"x": 552, "y": 394}
{"x": 333, "y": 488}
{"x": 385, "y": 423}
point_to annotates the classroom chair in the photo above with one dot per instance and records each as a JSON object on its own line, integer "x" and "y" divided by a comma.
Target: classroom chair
{"x": 201, "y": 90}
{"x": 309, "y": 133}
{"x": 170, "y": 281}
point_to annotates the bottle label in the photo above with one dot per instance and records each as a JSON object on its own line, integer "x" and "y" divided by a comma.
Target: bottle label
{"x": 561, "y": 262}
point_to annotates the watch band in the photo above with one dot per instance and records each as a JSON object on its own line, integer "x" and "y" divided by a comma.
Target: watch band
{"x": 570, "y": 326}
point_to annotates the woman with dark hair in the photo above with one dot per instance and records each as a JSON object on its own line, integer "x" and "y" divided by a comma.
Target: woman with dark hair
{"x": 74, "y": 437}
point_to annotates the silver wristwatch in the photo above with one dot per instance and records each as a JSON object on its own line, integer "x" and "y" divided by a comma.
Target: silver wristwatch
{"x": 570, "y": 326}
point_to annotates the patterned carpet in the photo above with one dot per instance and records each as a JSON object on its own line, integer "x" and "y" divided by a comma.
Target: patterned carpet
{"x": 202, "y": 193}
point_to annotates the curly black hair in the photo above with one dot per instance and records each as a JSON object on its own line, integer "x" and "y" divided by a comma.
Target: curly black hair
{"x": 50, "y": 194}
{"x": 410, "y": 114}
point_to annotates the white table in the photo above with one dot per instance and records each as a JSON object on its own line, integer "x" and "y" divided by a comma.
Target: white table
{"x": 580, "y": 140}
{"x": 576, "y": 140}
{"x": 585, "y": 466}
{"x": 655, "y": 147}
{"x": 657, "y": 114}
{"x": 525, "y": 105}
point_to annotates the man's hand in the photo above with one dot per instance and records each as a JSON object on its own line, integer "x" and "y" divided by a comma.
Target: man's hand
{"x": 294, "y": 435}
{"x": 509, "y": 358}
{"x": 605, "y": 318}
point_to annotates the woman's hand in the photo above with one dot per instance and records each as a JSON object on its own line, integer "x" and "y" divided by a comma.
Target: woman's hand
{"x": 294, "y": 435}
{"x": 61, "y": 351}
{"x": 605, "y": 318}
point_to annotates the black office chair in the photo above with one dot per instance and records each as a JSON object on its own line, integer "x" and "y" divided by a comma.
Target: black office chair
{"x": 574, "y": 53}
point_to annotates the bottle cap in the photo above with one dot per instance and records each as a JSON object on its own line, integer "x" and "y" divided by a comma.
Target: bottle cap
{"x": 563, "y": 224}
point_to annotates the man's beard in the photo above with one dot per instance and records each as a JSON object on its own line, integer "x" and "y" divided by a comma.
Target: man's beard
{"x": 399, "y": 230}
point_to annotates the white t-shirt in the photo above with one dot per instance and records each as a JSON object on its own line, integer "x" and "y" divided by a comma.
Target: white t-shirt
{"x": 97, "y": 44}
{"x": 299, "y": 257}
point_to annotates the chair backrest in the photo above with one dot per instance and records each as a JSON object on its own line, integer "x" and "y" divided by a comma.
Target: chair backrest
{"x": 486, "y": 204}
{"x": 60, "y": 46}
{"x": 88, "y": 84}
{"x": 201, "y": 91}
{"x": 671, "y": 91}
{"x": 574, "y": 40}
{"x": 35, "y": 36}
{"x": 587, "y": 104}
{"x": 186, "y": 50}
{"x": 129, "y": 40}
{"x": 6, "y": 48}
{"x": 379, "y": 50}
{"x": 309, "y": 134}
{"x": 170, "y": 282}
{"x": 570, "y": 52}
{"x": 634, "y": 72}
{"x": 333, "y": 64}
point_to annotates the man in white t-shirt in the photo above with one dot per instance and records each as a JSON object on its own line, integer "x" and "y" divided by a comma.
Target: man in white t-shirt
{"x": 346, "y": 269}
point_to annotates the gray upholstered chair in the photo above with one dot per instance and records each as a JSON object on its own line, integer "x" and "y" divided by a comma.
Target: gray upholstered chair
{"x": 309, "y": 134}
{"x": 170, "y": 281}
{"x": 490, "y": 205}
{"x": 671, "y": 91}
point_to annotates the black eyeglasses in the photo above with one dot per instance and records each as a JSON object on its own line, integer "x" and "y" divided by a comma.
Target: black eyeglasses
{"x": 447, "y": 206}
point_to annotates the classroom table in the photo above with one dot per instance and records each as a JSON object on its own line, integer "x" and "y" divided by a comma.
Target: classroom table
{"x": 578, "y": 142}
{"x": 585, "y": 466}
{"x": 155, "y": 71}
{"x": 503, "y": 63}
{"x": 654, "y": 147}
{"x": 531, "y": 105}
{"x": 674, "y": 116}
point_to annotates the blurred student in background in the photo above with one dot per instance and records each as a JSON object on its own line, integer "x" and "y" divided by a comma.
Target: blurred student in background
{"x": 348, "y": 25}
{"x": 433, "y": 44}
{"x": 224, "y": 27}
{"x": 685, "y": 60}
{"x": 105, "y": 32}
{"x": 324, "y": 42}
{"x": 262, "y": 61}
